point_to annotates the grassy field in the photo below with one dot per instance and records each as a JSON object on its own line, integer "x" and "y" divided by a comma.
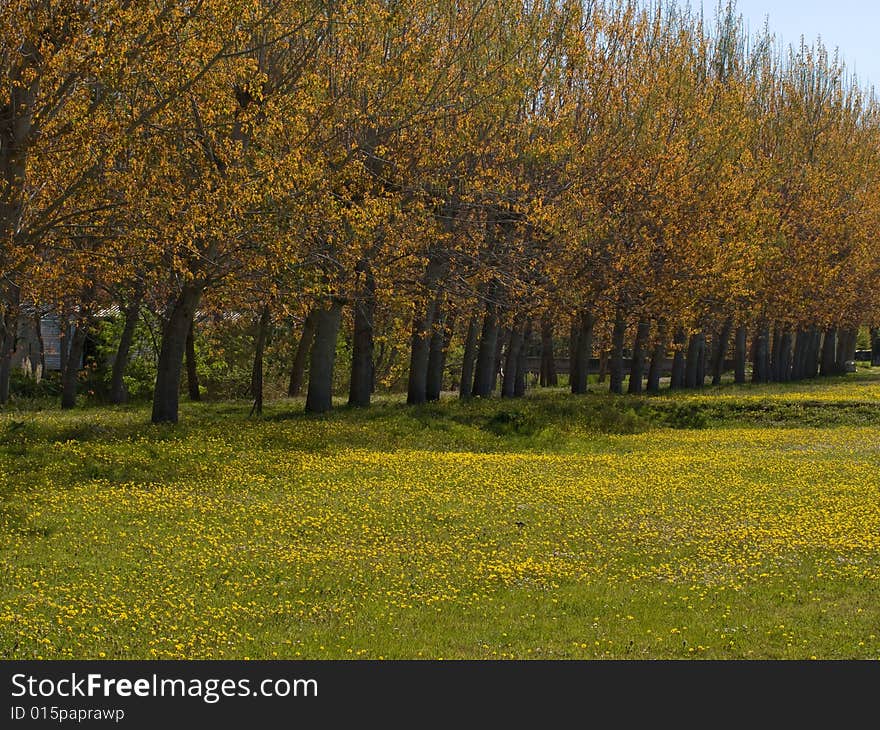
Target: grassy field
{"x": 737, "y": 522}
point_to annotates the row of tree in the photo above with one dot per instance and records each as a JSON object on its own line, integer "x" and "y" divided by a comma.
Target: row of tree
{"x": 484, "y": 172}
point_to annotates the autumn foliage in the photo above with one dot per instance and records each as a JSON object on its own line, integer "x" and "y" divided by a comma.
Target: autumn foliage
{"x": 652, "y": 187}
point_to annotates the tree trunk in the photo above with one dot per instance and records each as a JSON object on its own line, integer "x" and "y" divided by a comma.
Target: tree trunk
{"x": 465, "y": 385}
{"x": 694, "y": 353}
{"x": 420, "y": 350}
{"x": 166, "y": 394}
{"x": 853, "y": 344}
{"x": 702, "y": 362}
{"x": 812, "y": 369}
{"x": 298, "y": 369}
{"x": 549, "y": 378}
{"x": 583, "y": 350}
{"x": 257, "y": 370}
{"x": 7, "y": 347}
{"x": 118, "y": 393}
{"x": 319, "y": 398}
{"x": 740, "y": 354}
{"x": 485, "y": 366}
{"x": 519, "y": 385}
{"x": 799, "y": 358}
{"x": 440, "y": 342}
{"x": 573, "y": 374}
{"x": 679, "y": 368}
{"x": 637, "y": 365}
{"x": 71, "y": 372}
{"x": 658, "y": 356}
{"x": 192, "y": 372}
{"x": 501, "y": 340}
{"x": 38, "y": 329}
{"x": 761, "y": 356}
{"x": 719, "y": 350}
{"x": 511, "y": 360}
{"x": 846, "y": 349}
{"x": 8, "y": 334}
{"x": 422, "y": 331}
{"x": 616, "y": 363}
{"x": 785, "y": 357}
{"x": 829, "y": 351}
{"x": 360, "y": 387}
{"x": 776, "y": 355}
{"x": 875, "y": 346}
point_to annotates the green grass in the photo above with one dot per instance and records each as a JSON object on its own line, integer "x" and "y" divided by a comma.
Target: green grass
{"x": 733, "y": 522}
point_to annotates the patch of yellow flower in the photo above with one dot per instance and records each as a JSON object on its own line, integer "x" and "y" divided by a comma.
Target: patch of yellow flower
{"x": 248, "y": 548}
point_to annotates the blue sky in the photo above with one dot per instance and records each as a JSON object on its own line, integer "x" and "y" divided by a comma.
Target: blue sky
{"x": 851, "y": 25}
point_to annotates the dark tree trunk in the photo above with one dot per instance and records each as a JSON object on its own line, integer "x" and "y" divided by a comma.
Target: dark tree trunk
{"x": 802, "y": 340}
{"x": 637, "y": 364}
{"x": 440, "y": 342}
{"x": 484, "y": 374}
{"x": 694, "y": 354}
{"x": 829, "y": 352}
{"x": 797, "y": 356}
{"x": 719, "y": 350}
{"x": 740, "y": 354}
{"x": 319, "y": 398}
{"x": 548, "y": 359}
{"x": 766, "y": 367}
{"x": 758, "y": 345}
{"x": 5, "y": 367}
{"x": 257, "y": 370}
{"x": 802, "y": 346}
{"x": 422, "y": 331}
{"x": 71, "y": 371}
{"x": 812, "y": 369}
{"x": 785, "y": 357}
{"x": 465, "y": 385}
{"x": 583, "y": 350}
{"x": 776, "y": 355}
{"x": 118, "y": 394}
{"x": 843, "y": 346}
{"x": 658, "y": 357}
{"x": 501, "y": 340}
{"x": 875, "y": 346}
{"x": 846, "y": 349}
{"x": 420, "y": 350}
{"x": 166, "y": 394}
{"x": 38, "y": 329}
{"x": 7, "y": 347}
{"x": 519, "y": 385}
{"x": 298, "y": 369}
{"x": 573, "y": 374}
{"x": 617, "y": 340}
{"x": 8, "y": 333}
{"x": 702, "y": 362}
{"x": 511, "y": 361}
{"x": 761, "y": 363}
{"x": 192, "y": 371}
{"x": 679, "y": 370}
{"x": 853, "y": 343}
{"x": 360, "y": 387}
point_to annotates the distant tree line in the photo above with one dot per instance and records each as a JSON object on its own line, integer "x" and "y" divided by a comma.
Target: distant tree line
{"x": 417, "y": 178}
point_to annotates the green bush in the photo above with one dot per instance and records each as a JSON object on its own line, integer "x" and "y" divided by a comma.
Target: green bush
{"x": 25, "y": 386}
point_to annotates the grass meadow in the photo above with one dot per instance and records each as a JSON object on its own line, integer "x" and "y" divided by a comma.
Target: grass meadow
{"x": 737, "y": 522}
